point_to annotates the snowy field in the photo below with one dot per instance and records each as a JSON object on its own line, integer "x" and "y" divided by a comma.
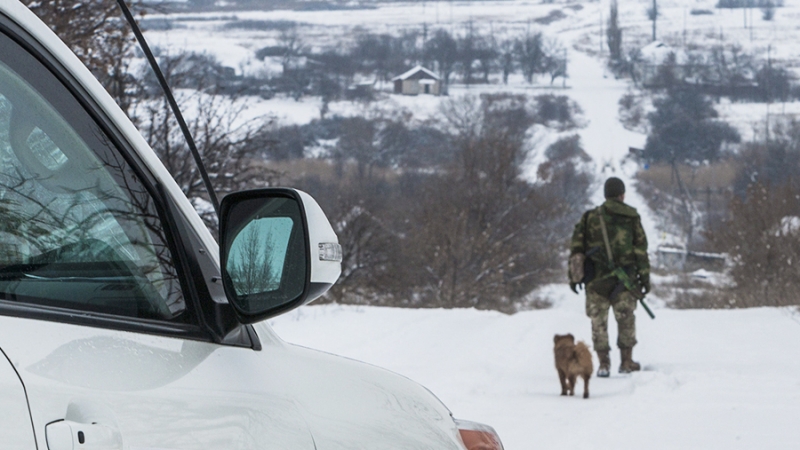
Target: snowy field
{"x": 580, "y": 31}
{"x": 712, "y": 379}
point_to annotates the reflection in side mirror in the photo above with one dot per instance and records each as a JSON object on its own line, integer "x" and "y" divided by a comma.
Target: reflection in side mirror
{"x": 258, "y": 254}
{"x": 277, "y": 250}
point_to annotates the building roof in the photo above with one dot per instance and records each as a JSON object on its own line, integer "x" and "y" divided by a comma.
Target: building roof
{"x": 414, "y": 71}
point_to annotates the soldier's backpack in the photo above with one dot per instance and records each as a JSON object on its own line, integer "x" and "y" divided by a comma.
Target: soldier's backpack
{"x": 581, "y": 267}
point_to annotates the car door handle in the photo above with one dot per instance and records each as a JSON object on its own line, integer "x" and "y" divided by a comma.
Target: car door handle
{"x": 69, "y": 435}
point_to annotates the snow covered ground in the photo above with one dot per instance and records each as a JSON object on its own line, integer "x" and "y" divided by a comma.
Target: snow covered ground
{"x": 712, "y": 379}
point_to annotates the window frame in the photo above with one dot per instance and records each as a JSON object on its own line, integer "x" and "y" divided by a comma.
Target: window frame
{"x": 185, "y": 262}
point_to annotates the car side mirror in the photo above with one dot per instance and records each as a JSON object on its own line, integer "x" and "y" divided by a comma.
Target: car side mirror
{"x": 277, "y": 251}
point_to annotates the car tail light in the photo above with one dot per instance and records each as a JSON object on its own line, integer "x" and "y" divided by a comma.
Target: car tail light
{"x": 477, "y": 436}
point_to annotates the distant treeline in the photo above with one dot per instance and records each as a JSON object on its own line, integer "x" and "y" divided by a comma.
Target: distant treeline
{"x": 470, "y": 56}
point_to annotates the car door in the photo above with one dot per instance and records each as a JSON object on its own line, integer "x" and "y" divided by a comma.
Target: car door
{"x": 97, "y": 310}
{"x": 16, "y": 430}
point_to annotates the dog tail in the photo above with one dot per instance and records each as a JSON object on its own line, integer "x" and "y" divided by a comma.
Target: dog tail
{"x": 584, "y": 356}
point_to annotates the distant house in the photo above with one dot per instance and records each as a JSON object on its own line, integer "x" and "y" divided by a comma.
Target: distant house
{"x": 418, "y": 80}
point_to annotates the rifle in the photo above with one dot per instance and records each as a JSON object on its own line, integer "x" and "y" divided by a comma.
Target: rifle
{"x": 620, "y": 273}
{"x": 626, "y": 281}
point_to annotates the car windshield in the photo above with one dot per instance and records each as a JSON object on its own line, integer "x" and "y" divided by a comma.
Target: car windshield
{"x": 77, "y": 228}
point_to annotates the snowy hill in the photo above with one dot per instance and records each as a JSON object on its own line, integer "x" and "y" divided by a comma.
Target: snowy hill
{"x": 578, "y": 27}
{"x": 712, "y": 379}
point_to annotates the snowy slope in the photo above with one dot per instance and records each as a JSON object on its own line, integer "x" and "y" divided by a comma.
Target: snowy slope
{"x": 713, "y": 379}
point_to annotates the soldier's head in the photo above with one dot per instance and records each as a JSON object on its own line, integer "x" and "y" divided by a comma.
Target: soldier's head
{"x": 614, "y": 188}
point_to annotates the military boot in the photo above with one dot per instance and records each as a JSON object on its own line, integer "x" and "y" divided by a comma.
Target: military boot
{"x": 628, "y": 365}
{"x": 605, "y": 364}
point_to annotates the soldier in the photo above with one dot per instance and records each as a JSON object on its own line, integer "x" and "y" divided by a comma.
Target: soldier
{"x": 628, "y": 248}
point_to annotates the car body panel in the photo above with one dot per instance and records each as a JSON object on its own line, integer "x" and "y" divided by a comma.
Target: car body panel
{"x": 15, "y": 422}
{"x": 349, "y": 404}
{"x": 158, "y": 392}
{"x": 171, "y": 393}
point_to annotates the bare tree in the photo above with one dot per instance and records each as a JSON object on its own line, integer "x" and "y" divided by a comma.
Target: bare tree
{"x": 489, "y": 237}
{"x": 225, "y": 141}
{"x": 442, "y": 49}
{"x": 555, "y": 61}
{"x": 507, "y": 56}
{"x": 250, "y": 266}
{"x": 486, "y": 54}
{"x": 467, "y": 52}
{"x": 96, "y": 33}
{"x": 485, "y": 240}
{"x": 614, "y": 33}
{"x": 292, "y": 46}
{"x": 361, "y": 143}
{"x": 530, "y": 55}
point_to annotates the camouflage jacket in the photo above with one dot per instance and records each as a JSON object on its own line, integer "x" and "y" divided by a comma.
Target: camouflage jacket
{"x": 625, "y": 235}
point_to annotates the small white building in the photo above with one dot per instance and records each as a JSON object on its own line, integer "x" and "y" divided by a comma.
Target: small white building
{"x": 418, "y": 80}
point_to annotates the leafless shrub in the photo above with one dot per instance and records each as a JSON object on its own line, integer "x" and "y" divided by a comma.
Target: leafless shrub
{"x": 227, "y": 144}
{"x": 96, "y": 33}
{"x": 467, "y": 233}
{"x": 557, "y": 111}
{"x": 632, "y": 113}
{"x": 762, "y": 237}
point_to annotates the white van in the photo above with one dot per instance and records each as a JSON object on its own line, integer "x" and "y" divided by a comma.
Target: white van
{"x": 118, "y": 330}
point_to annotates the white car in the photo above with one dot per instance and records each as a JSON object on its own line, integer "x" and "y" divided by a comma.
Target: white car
{"x": 118, "y": 328}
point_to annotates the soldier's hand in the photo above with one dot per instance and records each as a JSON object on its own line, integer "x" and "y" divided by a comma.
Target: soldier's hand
{"x": 574, "y": 287}
{"x": 645, "y": 283}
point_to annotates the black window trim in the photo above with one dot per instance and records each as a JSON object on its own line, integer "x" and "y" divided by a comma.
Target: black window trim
{"x": 187, "y": 264}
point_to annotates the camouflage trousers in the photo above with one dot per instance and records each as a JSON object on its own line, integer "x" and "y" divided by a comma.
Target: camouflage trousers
{"x": 597, "y": 306}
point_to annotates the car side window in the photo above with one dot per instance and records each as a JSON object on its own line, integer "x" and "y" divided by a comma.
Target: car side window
{"x": 78, "y": 228}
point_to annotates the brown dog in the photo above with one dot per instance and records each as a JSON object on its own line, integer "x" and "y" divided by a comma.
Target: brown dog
{"x": 572, "y": 360}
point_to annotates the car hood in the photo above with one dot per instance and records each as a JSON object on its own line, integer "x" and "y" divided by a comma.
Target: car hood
{"x": 350, "y": 404}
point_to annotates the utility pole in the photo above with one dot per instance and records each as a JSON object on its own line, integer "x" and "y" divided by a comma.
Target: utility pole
{"x": 684, "y": 26}
{"x": 655, "y": 15}
{"x": 601, "y": 32}
{"x": 769, "y": 93}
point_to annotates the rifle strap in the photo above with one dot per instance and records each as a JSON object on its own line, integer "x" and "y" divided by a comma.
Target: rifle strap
{"x": 605, "y": 238}
{"x": 585, "y": 218}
